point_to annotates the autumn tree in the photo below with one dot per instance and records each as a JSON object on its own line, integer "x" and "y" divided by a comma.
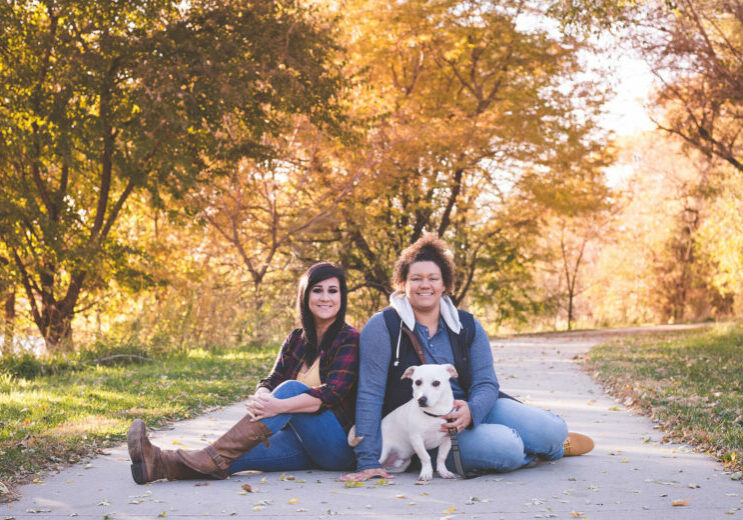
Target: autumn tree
{"x": 460, "y": 98}
{"x": 260, "y": 207}
{"x": 695, "y": 50}
{"x": 99, "y": 101}
{"x": 653, "y": 267}
{"x": 8, "y": 299}
{"x": 720, "y": 238}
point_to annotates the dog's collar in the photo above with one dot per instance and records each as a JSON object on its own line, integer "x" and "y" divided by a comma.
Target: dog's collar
{"x": 441, "y": 415}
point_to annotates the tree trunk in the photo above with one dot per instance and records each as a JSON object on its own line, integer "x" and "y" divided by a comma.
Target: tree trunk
{"x": 570, "y": 310}
{"x": 55, "y": 323}
{"x": 9, "y": 329}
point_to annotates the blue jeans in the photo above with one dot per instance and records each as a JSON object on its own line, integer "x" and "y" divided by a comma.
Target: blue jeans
{"x": 310, "y": 440}
{"x": 511, "y": 436}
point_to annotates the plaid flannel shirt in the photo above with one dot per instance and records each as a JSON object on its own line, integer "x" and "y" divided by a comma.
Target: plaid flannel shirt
{"x": 339, "y": 371}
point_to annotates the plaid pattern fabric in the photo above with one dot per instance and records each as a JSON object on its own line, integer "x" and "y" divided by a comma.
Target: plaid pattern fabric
{"x": 339, "y": 371}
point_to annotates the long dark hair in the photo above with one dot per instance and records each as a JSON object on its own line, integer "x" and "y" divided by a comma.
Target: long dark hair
{"x": 314, "y": 275}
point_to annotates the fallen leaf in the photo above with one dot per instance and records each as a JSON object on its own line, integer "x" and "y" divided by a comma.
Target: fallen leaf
{"x": 163, "y": 514}
{"x": 400, "y": 496}
{"x": 201, "y": 484}
{"x": 247, "y": 488}
{"x": 678, "y": 503}
{"x": 293, "y": 501}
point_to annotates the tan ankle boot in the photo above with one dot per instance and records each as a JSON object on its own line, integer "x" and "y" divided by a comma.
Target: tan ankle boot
{"x": 215, "y": 460}
{"x": 577, "y": 444}
{"x": 151, "y": 463}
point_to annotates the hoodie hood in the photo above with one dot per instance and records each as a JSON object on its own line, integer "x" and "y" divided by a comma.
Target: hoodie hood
{"x": 400, "y": 303}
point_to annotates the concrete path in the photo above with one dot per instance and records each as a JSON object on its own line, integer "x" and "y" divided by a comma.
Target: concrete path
{"x": 629, "y": 475}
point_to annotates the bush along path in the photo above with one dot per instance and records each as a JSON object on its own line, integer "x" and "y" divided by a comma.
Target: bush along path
{"x": 632, "y": 472}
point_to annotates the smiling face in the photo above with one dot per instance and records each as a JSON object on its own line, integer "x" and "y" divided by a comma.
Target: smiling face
{"x": 325, "y": 301}
{"x": 424, "y": 286}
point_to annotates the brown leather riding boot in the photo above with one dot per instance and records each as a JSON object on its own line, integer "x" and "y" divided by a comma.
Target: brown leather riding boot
{"x": 215, "y": 460}
{"x": 151, "y": 463}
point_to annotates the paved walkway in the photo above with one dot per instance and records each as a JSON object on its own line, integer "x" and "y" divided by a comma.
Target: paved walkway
{"x": 629, "y": 475}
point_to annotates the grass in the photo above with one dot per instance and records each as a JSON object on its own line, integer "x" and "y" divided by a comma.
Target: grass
{"x": 65, "y": 417}
{"x": 691, "y": 383}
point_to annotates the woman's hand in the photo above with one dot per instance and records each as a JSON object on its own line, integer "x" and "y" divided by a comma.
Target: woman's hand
{"x": 366, "y": 474}
{"x": 263, "y": 405}
{"x": 461, "y": 417}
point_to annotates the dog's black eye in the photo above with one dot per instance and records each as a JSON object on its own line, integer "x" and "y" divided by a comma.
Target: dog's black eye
{"x": 436, "y": 383}
{"x": 418, "y": 382}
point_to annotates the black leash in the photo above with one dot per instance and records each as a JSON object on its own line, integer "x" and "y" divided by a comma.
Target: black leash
{"x": 457, "y": 455}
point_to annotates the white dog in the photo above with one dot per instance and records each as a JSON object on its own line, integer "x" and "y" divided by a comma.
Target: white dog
{"x": 414, "y": 427}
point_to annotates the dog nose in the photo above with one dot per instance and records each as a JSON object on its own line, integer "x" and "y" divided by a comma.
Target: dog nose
{"x": 422, "y": 400}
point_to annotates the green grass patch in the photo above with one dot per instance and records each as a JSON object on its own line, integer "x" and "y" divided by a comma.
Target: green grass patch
{"x": 61, "y": 418}
{"x": 691, "y": 383}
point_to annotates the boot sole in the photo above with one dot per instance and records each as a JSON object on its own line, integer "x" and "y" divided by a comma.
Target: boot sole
{"x": 138, "y": 473}
{"x": 134, "y": 443}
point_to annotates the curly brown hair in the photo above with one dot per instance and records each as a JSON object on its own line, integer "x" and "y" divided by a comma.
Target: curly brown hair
{"x": 428, "y": 248}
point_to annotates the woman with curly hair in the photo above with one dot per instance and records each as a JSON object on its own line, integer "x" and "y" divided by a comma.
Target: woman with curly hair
{"x": 299, "y": 415}
{"x": 421, "y": 325}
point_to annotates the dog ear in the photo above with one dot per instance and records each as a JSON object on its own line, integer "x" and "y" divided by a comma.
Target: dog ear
{"x": 452, "y": 371}
{"x": 409, "y": 372}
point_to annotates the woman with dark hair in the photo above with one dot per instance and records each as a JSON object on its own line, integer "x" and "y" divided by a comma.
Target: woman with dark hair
{"x": 300, "y": 414}
{"x": 421, "y": 325}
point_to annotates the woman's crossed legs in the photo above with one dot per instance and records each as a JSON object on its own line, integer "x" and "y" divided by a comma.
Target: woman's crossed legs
{"x": 311, "y": 440}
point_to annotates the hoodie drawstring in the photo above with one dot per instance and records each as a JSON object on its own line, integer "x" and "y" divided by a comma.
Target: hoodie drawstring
{"x": 397, "y": 350}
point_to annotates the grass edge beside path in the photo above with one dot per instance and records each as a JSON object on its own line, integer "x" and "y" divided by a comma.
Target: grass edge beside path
{"x": 688, "y": 382}
{"x": 50, "y": 422}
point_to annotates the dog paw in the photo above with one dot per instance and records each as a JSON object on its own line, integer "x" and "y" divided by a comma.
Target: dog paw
{"x": 425, "y": 476}
{"x": 446, "y": 474}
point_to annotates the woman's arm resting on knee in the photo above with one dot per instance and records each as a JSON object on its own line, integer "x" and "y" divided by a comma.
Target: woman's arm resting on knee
{"x": 265, "y": 405}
